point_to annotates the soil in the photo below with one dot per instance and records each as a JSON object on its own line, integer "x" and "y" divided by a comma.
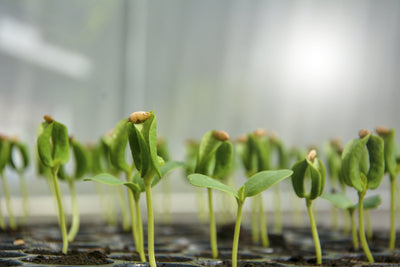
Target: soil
{"x": 184, "y": 245}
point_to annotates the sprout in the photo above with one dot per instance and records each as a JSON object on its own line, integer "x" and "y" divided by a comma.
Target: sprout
{"x": 357, "y": 174}
{"x": 53, "y": 150}
{"x": 313, "y": 168}
{"x": 253, "y": 186}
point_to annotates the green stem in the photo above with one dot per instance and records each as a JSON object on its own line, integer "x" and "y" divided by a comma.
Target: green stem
{"x": 354, "y": 230}
{"x": 73, "y": 231}
{"x": 334, "y": 218}
{"x": 201, "y": 209}
{"x": 24, "y": 194}
{"x": 317, "y": 244}
{"x": 124, "y": 208}
{"x": 61, "y": 217}
{"x": 213, "y": 227}
{"x": 255, "y": 236}
{"x": 346, "y": 223}
{"x": 263, "y": 223}
{"x": 166, "y": 201}
{"x": 134, "y": 229}
{"x": 235, "y": 244}
{"x": 278, "y": 210}
{"x": 150, "y": 226}
{"x": 297, "y": 216}
{"x": 368, "y": 225}
{"x": 361, "y": 230}
{"x": 139, "y": 225}
{"x": 392, "y": 240}
{"x": 7, "y": 195}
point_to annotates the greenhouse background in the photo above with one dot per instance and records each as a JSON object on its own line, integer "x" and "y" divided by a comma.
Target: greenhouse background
{"x": 305, "y": 70}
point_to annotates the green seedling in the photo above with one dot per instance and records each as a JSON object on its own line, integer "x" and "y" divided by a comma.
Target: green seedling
{"x": 253, "y": 186}
{"x": 214, "y": 159}
{"x": 393, "y": 169}
{"x": 342, "y": 202}
{"x": 362, "y": 176}
{"x": 53, "y": 150}
{"x": 5, "y": 146}
{"x": 254, "y": 150}
{"x": 81, "y": 159}
{"x": 313, "y": 169}
{"x": 20, "y": 168}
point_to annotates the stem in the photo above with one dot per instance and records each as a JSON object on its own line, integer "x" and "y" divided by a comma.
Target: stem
{"x": 73, "y": 231}
{"x": 263, "y": 224}
{"x": 200, "y": 200}
{"x": 346, "y": 223}
{"x": 124, "y": 208}
{"x": 254, "y": 222}
{"x": 334, "y": 219}
{"x": 150, "y": 225}
{"x": 353, "y": 230}
{"x": 134, "y": 229}
{"x": 7, "y": 195}
{"x": 2, "y": 223}
{"x": 166, "y": 201}
{"x": 139, "y": 232}
{"x": 213, "y": 227}
{"x": 24, "y": 193}
{"x": 235, "y": 244}
{"x": 314, "y": 232}
{"x": 361, "y": 230}
{"x": 278, "y": 210}
{"x": 392, "y": 239}
{"x": 297, "y": 216}
{"x": 368, "y": 225}
{"x": 61, "y": 217}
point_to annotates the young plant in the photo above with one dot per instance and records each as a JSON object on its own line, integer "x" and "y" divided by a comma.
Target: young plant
{"x": 214, "y": 159}
{"x": 253, "y": 186}
{"x": 311, "y": 167}
{"x": 81, "y": 159}
{"x": 362, "y": 176}
{"x": 255, "y": 153}
{"x": 342, "y": 202}
{"x": 20, "y": 147}
{"x": 53, "y": 150}
{"x": 393, "y": 169}
{"x": 5, "y": 145}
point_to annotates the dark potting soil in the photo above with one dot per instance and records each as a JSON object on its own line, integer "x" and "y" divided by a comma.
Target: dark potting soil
{"x": 77, "y": 258}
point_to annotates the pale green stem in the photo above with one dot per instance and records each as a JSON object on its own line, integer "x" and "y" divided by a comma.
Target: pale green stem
{"x": 7, "y": 195}
{"x": 263, "y": 224}
{"x": 361, "y": 231}
{"x": 398, "y": 199}
{"x": 353, "y": 230}
{"x": 134, "y": 229}
{"x": 296, "y": 211}
{"x": 313, "y": 225}
{"x": 346, "y": 223}
{"x": 255, "y": 236}
{"x": 392, "y": 240}
{"x": 201, "y": 208}
{"x": 107, "y": 211}
{"x": 166, "y": 202}
{"x": 150, "y": 226}
{"x": 61, "y": 217}
{"x": 139, "y": 225}
{"x": 24, "y": 194}
{"x": 73, "y": 231}
{"x": 236, "y": 234}
{"x": 368, "y": 225}
{"x": 124, "y": 209}
{"x": 2, "y": 222}
{"x": 334, "y": 218}
{"x": 278, "y": 210}
{"x": 213, "y": 227}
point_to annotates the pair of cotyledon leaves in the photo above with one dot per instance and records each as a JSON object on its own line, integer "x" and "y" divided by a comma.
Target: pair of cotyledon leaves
{"x": 7, "y": 147}
{"x": 255, "y": 154}
{"x": 341, "y": 201}
{"x": 391, "y": 165}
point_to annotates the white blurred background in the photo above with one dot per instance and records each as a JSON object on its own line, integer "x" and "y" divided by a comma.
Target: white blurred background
{"x": 307, "y": 70}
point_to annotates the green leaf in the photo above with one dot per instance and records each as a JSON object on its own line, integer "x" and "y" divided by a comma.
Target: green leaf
{"x": 263, "y": 180}
{"x": 376, "y": 161}
{"x": 339, "y": 200}
{"x": 261, "y": 149}
{"x": 168, "y": 167}
{"x": 23, "y": 150}
{"x": 317, "y": 173}
{"x": 81, "y": 159}
{"x": 118, "y": 142}
{"x": 201, "y": 180}
{"x": 223, "y": 160}
{"x": 372, "y": 202}
{"x": 390, "y": 153}
{"x": 108, "y": 179}
{"x": 4, "y": 153}
{"x": 207, "y": 148}
{"x": 44, "y": 146}
{"x": 60, "y": 141}
{"x": 299, "y": 172}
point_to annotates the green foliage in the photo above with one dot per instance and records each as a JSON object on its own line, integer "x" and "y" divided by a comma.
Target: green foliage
{"x": 355, "y": 171}
{"x": 255, "y": 154}
{"x": 391, "y": 165}
{"x": 117, "y": 143}
{"x": 192, "y": 150}
{"x": 82, "y": 161}
{"x": 4, "y": 152}
{"x": 341, "y": 201}
{"x": 23, "y": 150}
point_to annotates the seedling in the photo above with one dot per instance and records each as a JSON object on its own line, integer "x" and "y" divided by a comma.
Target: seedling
{"x": 357, "y": 174}
{"x": 5, "y": 145}
{"x": 342, "y": 202}
{"x": 253, "y": 186}
{"x": 81, "y": 158}
{"x": 311, "y": 167}
{"x": 20, "y": 147}
{"x": 255, "y": 153}
{"x": 214, "y": 159}
{"x": 393, "y": 169}
{"x": 53, "y": 150}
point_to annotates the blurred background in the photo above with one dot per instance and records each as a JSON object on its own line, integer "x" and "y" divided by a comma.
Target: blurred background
{"x": 306, "y": 70}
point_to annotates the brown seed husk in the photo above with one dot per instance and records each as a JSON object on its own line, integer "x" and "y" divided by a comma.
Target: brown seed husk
{"x": 221, "y": 135}
{"x": 139, "y": 116}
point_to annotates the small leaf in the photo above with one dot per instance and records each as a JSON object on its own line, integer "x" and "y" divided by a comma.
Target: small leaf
{"x": 81, "y": 159}
{"x": 372, "y": 202}
{"x": 118, "y": 142}
{"x": 201, "y": 180}
{"x": 4, "y": 153}
{"x": 339, "y": 200}
{"x": 168, "y": 167}
{"x": 23, "y": 150}
{"x": 263, "y": 180}
{"x": 60, "y": 141}
{"x": 390, "y": 153}
{"x": 44, "y": 146}
{"x": 105, "y": 178}
{"x": 299, "y": 172}
{"x": 223, "y": 160}
{"x": 376, "y": 161}
{"x": 207, "y": 148}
